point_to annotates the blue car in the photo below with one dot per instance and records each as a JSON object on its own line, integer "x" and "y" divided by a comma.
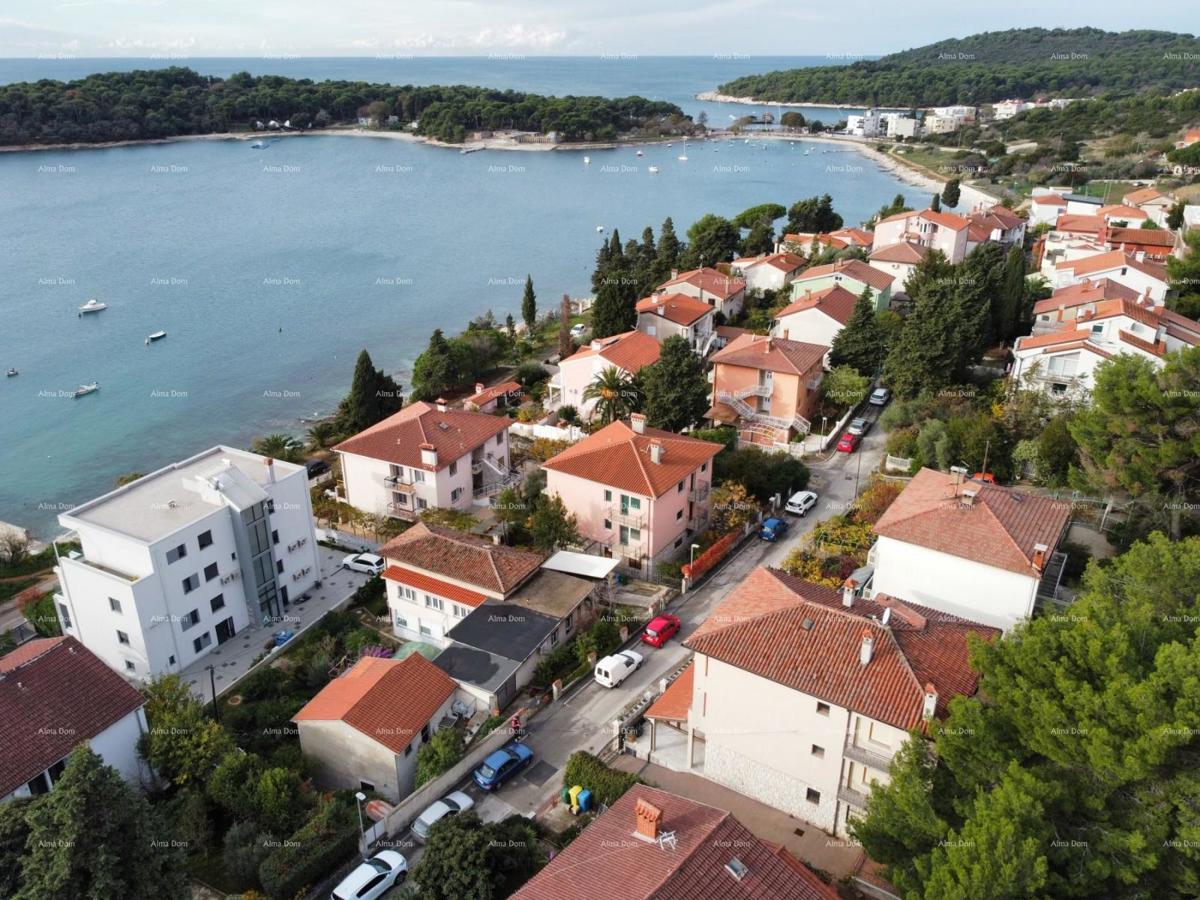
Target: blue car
{"x": 502, "y": 765}
{"x": 773, "y": 529}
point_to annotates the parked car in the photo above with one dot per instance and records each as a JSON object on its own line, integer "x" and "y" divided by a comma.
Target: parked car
{"x": 660, "y": 630}
{"x": 859, "y": 426}
{"x": 880, "y": 396}
{"x": 373, "y": 877}
{"x": 370, "y": 563}
{"x": 502, "y": 765}
{"x": 801, "y": 502}
{"x": 612, "y": 670}
{"x": 578, "y": 330}
{"x": 450, "y": 805}
{"x": 848, "y": 443}
{"x": 773, "y": 529}
{"x": 316, "y": 467}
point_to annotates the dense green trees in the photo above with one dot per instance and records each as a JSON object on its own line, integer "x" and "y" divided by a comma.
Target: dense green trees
{"x": 616, "y": 395}
{"x": 677, "y": 394}
{"x": 465, "y": 857}
{"x": 860, "y": 344}
{"x": 616, "y": 285}
{"x": 1184, "y": 272}
{"x": 815, "y": 215}
{"x": 1077, "y": 773}
{"x": 712, "y": 239}
{"x": 450, "y": 365}
{"x": 175, "y": 101}
{"x": 551, "y": 526}
{"x": 438, "y": 754}
{"x": 762, "y": 474}
{"x": 374, "y": 395}
{"x": 183, "y": 744}
{"x": 951, "y": 192}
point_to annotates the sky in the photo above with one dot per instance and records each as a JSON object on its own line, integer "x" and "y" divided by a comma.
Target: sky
{"x": 107, "y": 28}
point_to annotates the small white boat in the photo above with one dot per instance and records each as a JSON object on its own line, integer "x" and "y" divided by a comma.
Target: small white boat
{"x": 466, "y": 150}
{"x": 682, "y": 157}
{"x": 12, "y": 373}
{"x": 258, "y": 145}
{"x": 653, "y": 170}
{"x": 156, "y": 336}
{"x": 599, "y": 228}
{"x": 587, "y": 160}
{"x": 84, "y": 389}
{"x": 92, "y": 306}
{"x": 640, "y": 153}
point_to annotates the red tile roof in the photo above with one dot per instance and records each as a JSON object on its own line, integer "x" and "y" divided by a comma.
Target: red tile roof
{"x": 836, "y": 302}
{"x": 999, "y": 528}
{"x": 901, "y": 252}
{"x": 849, "y": 268}
{"x": 488, "y": 394}
{"x": 491, "y": 567}
{"x": 708, "y": 280}
{"x": 757, "y": 351}
{"x": 1085, "y": 292}
{"x": 1111, "y": 259}
{"x": 54, "y": 694}
{"x": 618, "y": 456}
{"x": 783, "y": 261}
{"x": 1142, "y": 195}
{"x": 1049, "y": 200}
{"x": 631, "y": 351}
{"x": 1079, "y": 223}
{"x": 1121, "y": 211}
{"x": 805, "y": 239}
{"x": 1064, "y": 339}
{"x": 799, "y": 635}
{"x": 676, "y": 700}
{"x": 388, "y": 700}
{"x": 398, "y": 438}
{"x": 946, "y": 220}
{"x": 1142, "y": 237}
{"x": 608, "y": 861}
{"x": 678, "y": 308}
{"x": 857, "y": 236}
{"x": 429, "y": 584}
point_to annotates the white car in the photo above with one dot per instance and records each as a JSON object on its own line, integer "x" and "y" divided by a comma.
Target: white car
{"x": 369, "y": 563}
{"x": 373, "y": 878}
{"x": 612, "y": 670}
{"x": 578, "y": 330}
{"x": 449, "y": 805}
{"x": 801, "y": 502}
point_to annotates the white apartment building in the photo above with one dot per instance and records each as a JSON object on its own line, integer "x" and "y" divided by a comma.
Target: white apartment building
{"x": 178, "y": 562}
{"x": 936, "y": 230}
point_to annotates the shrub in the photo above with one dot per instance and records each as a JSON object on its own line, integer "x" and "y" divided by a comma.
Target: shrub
{"x": 670, "y": 571}
{"x": 603, "y": 637}
{"x": 246, "y": 847}
{"x": 439, "y": 754}
{"x": 318, "y": 847}
{"x": 279, "y": 800}
{"x": 568, "y": 414}
{"x": 555, "y": 664}
{"x": 372, "y": 596}
{"x": 356, "y": 640}
{"x": 605, "y": 783}
{"x": 531, "y": 373}
{"x": 232, "y": 785}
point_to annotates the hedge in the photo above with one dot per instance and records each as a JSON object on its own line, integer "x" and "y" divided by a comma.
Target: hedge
{"x": 372, "y": 595}
{"x": 317, "y": 848}
{"x": 606, "y": 784}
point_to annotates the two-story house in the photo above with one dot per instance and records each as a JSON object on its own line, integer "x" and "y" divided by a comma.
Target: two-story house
{"x": 969, "y": 548}
{"x": 803, "y": 694}
{"x": 816, "y": 317}
{"x": 676, "y": 315}
{"x": 179, "y": 561}
{"x": 1066, "y": 303}
{"x": 628, "y": 353}
{"x": 852, "y": 274}
{"x": 942, "y": 231}
{"x": 724, "y": 293}
{"x": 1147, "y": 278}
{"x": 767, "y": 387}
{"x": 898, "y": 261}
{"x": 768, "y": 271}
{"x": 999, "y": 224}
{"x": 638, "y": 492}
{"x": 426, "y": 456}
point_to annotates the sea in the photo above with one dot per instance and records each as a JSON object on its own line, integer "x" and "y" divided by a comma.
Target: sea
{"x": 270, "y": 269}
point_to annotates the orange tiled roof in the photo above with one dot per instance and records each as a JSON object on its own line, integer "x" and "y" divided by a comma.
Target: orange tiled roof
{"x": 851, "y": 268}
{"x": 618, "y": 456}
{"x": 708, "y": 280}
{"x": 1066, "y": 338}
{"x": 836, "y": 302}
{"x": 999, "y": 528}
{"x": 757, "y": 351}
{"x": 1085, "y": 292}
{"x": 398, "y": 438}
{"x": 388, "y": 700}
{"x": 1079, "y": 223}
{"x": 489, "y": 394}
{"x": 429, "y": 584}
{"x": 678, "y": 308}
{"x": 676, "y": 700}
{"x": 491, "y": 567}
{"x": 1143, "y": 237}
{"x": 1121, "y": 211}
{"x": 630, "y": 351}
{"x": 1142, "y": 195}
{"x": 1112, "y": 259}
{"x": 860, "y": 237}
{"x": 946, "y": 220}
{"x": 1050, "y": 200}
{"x": 900, "y": 252}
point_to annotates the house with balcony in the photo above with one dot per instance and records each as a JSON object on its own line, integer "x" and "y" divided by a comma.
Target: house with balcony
{"x": 969, "y": 548}
{"x": 850, "y": 677}
{"x": 1065, "y": 304}
{"x": 768, "y": 271}
{"x": 898, "y": 261}
{"x": 852, "y": 274}
{"x": 426, "y": 456}
{"x": 677, "y": 315}
{"x": 639, "y": 493}
{"x": 178, "y": 562}
{"x": 1151, "y": 244}
{"x": 724, "y": 293}
{"x": 767, "y": 387}
{"x": 936, "y": 230}
{"x": 999, "y": 224}
{"x": 628, "y": 353}
{"x": 816, "y": 317}
{"x": 55, "y": 694}
{"x": 1147, "y": 278}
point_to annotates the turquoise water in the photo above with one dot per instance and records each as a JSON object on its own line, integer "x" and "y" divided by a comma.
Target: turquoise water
{"x": 270, "y": 269}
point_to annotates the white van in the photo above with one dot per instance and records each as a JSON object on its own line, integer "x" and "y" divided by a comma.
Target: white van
{"x": 612, "y": 670}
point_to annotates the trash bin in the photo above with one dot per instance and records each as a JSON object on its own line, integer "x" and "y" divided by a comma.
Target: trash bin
{"x": 565, "y": 796}
{"x": 575, "y": 792}
{"x": 585, "y": 800}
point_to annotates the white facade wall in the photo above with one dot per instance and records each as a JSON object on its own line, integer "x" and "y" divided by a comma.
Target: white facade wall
{"x": 810, "y": 326}
{"x": 900, "y": 272}
{"x": 1126, "y": 275}
{"x": 421, "y": 615}
{"x": 363, "y": 478}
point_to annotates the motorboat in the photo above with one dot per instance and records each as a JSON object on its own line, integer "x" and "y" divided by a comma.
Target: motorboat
{"x": 155, "y": 336}
{"x": 682, "y": 157}
{"x": 13, "y": 373}
{"x": 599, "y": 228}
{"x": 92, "y": 306}
{"x": 84, "y": 389}
{"x": 258, "y": 145}
{"x": 587, "y": 160}
{"x": 653, "y": 170}
{"x": 640, "y": 153}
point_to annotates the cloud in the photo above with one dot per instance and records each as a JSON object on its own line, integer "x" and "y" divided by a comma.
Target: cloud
{"x": 520, "y": 37}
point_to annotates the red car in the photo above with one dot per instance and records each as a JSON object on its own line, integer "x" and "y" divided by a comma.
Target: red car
{"x": 660, "y": 630}
{"x": 848, "y": 443}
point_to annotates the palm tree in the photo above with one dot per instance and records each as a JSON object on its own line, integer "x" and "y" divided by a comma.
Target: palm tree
{"x": 615, "y": 393}
{"x": 283, "y": 447}
{"x": 321, "y": 435}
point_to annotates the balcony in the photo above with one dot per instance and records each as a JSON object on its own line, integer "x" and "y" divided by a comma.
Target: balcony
{"x": 698, "y": 494}
{"x": 698, "y": 522}
{"x": 867, "y": 757}
{"x": 626, "y": 516}
{"x": 407, "y": 513}
{"x": 855, "y": 798}
{"x": 401, "y": 483}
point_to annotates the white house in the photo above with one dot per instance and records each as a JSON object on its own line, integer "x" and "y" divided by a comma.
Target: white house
{"x": 676, "y": 315}
{"x": 1045, "y": 207}
{"x": 425, "y": 456}
{"x": 1000, "y": 224}
{"x": 628, "y": 353}
{"x": 54, "y": 695}
{"x": 802, "y": 694}
{"x": 1153, "y": 203}
{"x": 968, "y": 548}
{"x": 769, "y": 271}
{"x": 1147, "y": 278}
{"x": 936, "y": 230}
{"x": 816, "y": 317}
{"x": 897, "y": 261}
{"x": 178, "y": 562}
{"x": 1006, "y": 109}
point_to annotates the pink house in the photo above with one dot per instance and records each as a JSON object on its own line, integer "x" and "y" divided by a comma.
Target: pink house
{"x": 628, "y": 353}
{"x": 638, "y": 492}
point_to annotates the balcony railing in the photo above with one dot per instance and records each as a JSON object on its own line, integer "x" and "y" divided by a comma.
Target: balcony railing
{"x": 395, "y": 510}
{"x": 854, "y": 798}
{"x": 626, "y": 516}
{"x": 867, "y": 757}
{"x": 399, "y": 482}
{"x": 698, "y": 494}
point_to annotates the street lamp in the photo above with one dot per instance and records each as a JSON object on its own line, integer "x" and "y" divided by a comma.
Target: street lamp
{"x": 692, "y": 557}
{"x": 212, "y": 681}
{"x": 360, "y": 797}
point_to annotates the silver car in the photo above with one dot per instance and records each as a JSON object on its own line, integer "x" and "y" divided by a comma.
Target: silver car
{"x": 450, "y": 805}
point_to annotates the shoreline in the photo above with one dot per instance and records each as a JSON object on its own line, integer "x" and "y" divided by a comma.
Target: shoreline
{"x": 717, "y": 97}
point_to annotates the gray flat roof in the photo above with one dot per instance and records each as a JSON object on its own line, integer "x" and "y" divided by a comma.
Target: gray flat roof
{"x": 552, "y": 593}
{"x": 505, "y": 629}
{"x": 477, "y": 667}
{"x": 159, "y": 504}
{"x": 582, "y": 564}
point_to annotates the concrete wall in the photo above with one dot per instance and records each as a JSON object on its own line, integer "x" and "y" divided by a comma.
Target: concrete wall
{"x": 810, "y": 326}
{"x": 343, "y": 756}
{"x": 117, "y": 746}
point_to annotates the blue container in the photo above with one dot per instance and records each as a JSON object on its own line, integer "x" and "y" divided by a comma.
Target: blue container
{"x": 585, "y": 800}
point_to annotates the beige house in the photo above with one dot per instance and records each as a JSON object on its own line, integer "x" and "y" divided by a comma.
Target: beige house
{"x": 676, "y": 315}
{"x": 724, "y": 293}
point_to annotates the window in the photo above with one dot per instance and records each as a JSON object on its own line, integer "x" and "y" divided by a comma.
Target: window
{"x": 408, "y": 749}
{"x": 678, "y": 542}
{"x": 426, "y": 630}
{"x": 401, "y": 622}
{"x": 630, "y": 535}
{"x": 176, "y": 553}
{"x": 434, "y": 602}
{"x": 170, "y": 660}
{"x": 679, "y": 488}
{"x": 425, "y": 733}
{"x": 274, "y": 537}
{"x": 460, "y": 612}
{"x": 217, "y": 602}
{"x": 211, "y": 572}
{"x": 818, "y": 752}
{"x": 201, "y": 642}
{"x": 455, "y": 494}
{"x": 453, "y": 469}
{"x": 633, "y": 502}
{"x": 418, "y": 475}
{"x": 570, "y": 621}
{"x": 279, "y": 566}
{"x": 114, "y": 604}
{"x": 812, "y": 796}
{"x": 204, "y": 539}
{"x": 703, "y": 467}
{"x": 191, "y": 583}
{"x": 421, "y": 503}
{"x": 554, "y": 638}
{"x": 408, "y": 594}
{"x": 64, "y": 615}
{"x": 500, "y": 439}
{"x": 122, "y": 638}
{"x": 678, "y": 515}
{"x": 192, "y": 618}
{"x": 608, "y": 496}
{"x": 130, "y": 667}
{"x": 1098, "y": 328}
{"x": 608, "y": 524}
{"x": 822, "y": 708}
{"x": 366, "y": 786}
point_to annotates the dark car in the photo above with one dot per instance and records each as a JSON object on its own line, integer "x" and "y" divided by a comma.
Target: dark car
{"x": 660, "y": 630}
{"x": 316, "y": 467}
{"x": 501, "y": 765}
{"x": 773, "y": 529}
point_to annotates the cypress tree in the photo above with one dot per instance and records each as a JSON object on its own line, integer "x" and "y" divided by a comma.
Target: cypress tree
{"x": 373, "y": 396}
{"x": 529, "y": 305}
{"x": 936, "y": 203}
{"x": 950, "y": 193}
{"x": 860, "y": 344}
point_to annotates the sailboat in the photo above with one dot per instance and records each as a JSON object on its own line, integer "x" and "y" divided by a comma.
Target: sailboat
{"x": 653, "y": 170}
{"x": 682, "y": 157}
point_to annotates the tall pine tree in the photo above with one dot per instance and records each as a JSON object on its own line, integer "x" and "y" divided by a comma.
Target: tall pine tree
{"x": 860, "y": 344}
{"x": 374, "y": 395}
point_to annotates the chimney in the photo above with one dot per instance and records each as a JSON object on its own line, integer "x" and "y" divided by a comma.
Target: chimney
{"x": 959, "y": 474}
{"x": 930, "y": 701}
{"x": 868, "y": 647}
{"x": 637, "y": 422}
{"x": 648, "y": 819}
{"x": 968, "y": 497}
{"x": 674, "y": 274}
{"x": 429, "y": 455}
{"x": 656, "y": 452}
{"x": 848, "y": 587}
{"x": 1039, "y": 556}
{"x": 270, "y": 470}
{"x": 441, "y": 404}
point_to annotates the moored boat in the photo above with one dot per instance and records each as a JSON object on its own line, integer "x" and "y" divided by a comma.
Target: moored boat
{"x": 155, "y": 336}
{"x": 84, "y": 389}
{"x": 12, "y": 373}
{"x": 92, "y": 306}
